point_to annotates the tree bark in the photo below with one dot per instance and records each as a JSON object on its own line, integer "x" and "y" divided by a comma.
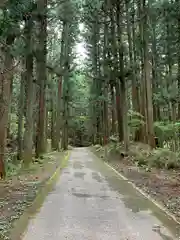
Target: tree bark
{"x": 5, "y": 91}
{"x": 178, "y": 54}
{"x": 106, "y": 72}
{"x": 147, "y": 79}
{"x": 42, "y": 77}
{"x": 122, "y": 78}
{"x": 113, "y": 114}
{"x": 21, "y": 113}
{"x": 28, "y": 133}
{"x": 53, "y": 115}
{"x": 115, "y": 73}
{"x": 59, "y": 95}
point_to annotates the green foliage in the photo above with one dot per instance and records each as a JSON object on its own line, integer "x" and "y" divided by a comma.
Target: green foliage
{"x": 79, "y": 107}
{"x": 12, "y": 166}
{"x": 143, "y": 156}
{"x": 12, "y": 16}
{"x": 158, "y": 158}
{"x": 135, "y": 121}
{"x": 14, "y": 125}
{"x": 114, "y": 147}
{"x": 164, "y": 158}
{"x": 166, "y": 131}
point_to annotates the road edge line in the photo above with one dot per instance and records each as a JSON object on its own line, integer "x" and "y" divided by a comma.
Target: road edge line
{"x": 147, "y": 196}
{"x": 58, "y": 169}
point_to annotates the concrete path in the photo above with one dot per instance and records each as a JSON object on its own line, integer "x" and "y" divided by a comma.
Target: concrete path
{"x": 91, "y": 202}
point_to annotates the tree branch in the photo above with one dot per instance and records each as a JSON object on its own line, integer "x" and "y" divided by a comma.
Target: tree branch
{"x": 58, "y": 72}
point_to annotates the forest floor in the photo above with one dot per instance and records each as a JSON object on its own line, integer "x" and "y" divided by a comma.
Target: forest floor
{"x": 18, "y": 192}
{"x": 160, "y": 184}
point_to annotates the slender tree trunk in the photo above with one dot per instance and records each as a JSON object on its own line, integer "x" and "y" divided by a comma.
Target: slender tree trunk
{"x": 178, "y": 75}
{"x": 42, "y": 78}
{"x": 106, "y": 72}
{"x": 147, "y": 81}
{"x": 136, "y": 84}
{"x": 113, "y": 114}
{"x": 143, "y": 131}
{"x": 115, "y": 73}
{"x": 5, "y": 91}
{"x": 53, "y": 116}
{"x": 28, "y": 133}
{"x": 132, "y": 63}
{"x": 67, "y": 40}
{"x": 59, "y": 96}
{"x": 21, "y": 113}
{"x": 95, "y": 87}
{"x": 178, "y": 55}
{"x": 156, "y": 109}
{"x": 65, "y": 113}
{"x": 99, "y": 93}
{"x": 119, "y": 112}
{"x": 122, "y": 78}
{"x": 9, "y": 115}
{"x": 169, "y": 61}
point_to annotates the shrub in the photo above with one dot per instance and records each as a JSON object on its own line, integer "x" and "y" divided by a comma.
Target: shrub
{"x": 164, "y": 158}
{"x": 135, "y": 121}
{"x": 167, "y": 132}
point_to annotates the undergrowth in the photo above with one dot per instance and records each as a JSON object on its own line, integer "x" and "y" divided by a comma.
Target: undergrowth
{"x": 143, "y": 156}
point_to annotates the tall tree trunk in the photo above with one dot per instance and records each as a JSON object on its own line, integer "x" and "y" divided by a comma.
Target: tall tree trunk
{"x": 53, "y": 116}
{"x": 113, "y": 114}
{"x": 178, "y": 74}
{"x": 58, "y": 120}
{"x": 147, "y": 79}
{"x": 136, "y": 78}
{"x": 9, "y": 115}
{"x": 122, "y": 78}
{"x": 67, "y": 40}
{"x": 119, "y": 111}
{"x": 143, "y": 131}
{"x": 21, "y": 113}
{"x": 65, "y": 113}
{"x": 132, "y": 63}
{"x": 28, "y": 133}
{"x": 106, "y": 72}
{"x": 42, "y": 77}
{"x": 156, "y": 109}
{"x": 115, "y": 73}
{"x": 5, "y": 91}
{"x": 59, "y": 95}
{"x": 169, "y": 61}
{"x": 95, "y": 86}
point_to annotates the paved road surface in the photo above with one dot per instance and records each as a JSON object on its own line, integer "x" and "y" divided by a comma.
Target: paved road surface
{"x": 91, "y": 202}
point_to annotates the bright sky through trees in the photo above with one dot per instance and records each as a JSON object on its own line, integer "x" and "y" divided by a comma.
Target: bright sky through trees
{"x": 80, "y": 46}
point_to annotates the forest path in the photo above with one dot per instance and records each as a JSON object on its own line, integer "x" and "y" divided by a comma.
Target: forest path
{"x": 91, "y": 202}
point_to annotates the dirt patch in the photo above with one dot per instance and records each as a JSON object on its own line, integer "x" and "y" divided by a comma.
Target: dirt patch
{"x": 18, "y": 192}
{"x": 162, "y": 185}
